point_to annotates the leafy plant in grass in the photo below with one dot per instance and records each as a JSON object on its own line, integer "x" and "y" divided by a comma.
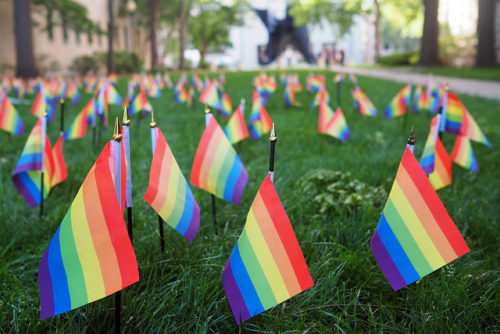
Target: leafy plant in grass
{"x": 335, "y": 192}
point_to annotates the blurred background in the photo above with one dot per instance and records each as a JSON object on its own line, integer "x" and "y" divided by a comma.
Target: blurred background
{"x": 69, "y": 37}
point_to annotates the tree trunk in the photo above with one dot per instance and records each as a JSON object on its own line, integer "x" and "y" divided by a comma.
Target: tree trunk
{"x": 486, "y": 33}
{"x": 378, "y": 33}
{"x": 111, "y": 29}
{"x": 153, "y": 26}
{"x": 429, "y": 48}
{"x": 25, "y": 55}
{"x": 203, "y": 52}
{"x": 182, "y": 33}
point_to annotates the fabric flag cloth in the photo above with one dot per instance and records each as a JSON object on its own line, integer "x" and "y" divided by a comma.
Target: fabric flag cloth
{"x": 289, "y": 96}
{"x": 140, "y": 104}
{"x": 459, "y": 121}
{"x": 226, "y": 106}
{"x": 419, "y": 99}
{"x": 236, "y": 128}
{"x": 91, "y": 255}
{"x": 168, "y": 192}
{"x": 216, "y": 167}
{"x": 10, "y": 120}
{"x": 397, "y": 107}
{"x": 363, "y": 102}
{"x": 27, "y": 175}
{"x": 463, "y": 155}
{"x": 126, "y": 147}
{"x": 39, "y": 107}
{"x": 333, "y": 124}
{"x": 266, "y": 267}
{"x": 428, "y": 157}
{"x": 260, "y": 122}
{"x": 91, "y": 113}
{"x": 78, "y": 128}
{"x": 415, "y": 235}
{"x": 210, "y": 96}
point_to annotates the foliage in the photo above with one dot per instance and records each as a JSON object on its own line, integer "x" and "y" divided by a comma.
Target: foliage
{"x": 209, "y": 27}
{"x": 336, "y": 192}
{"x": 67, "y": 14}
{"x": 180, "y": 291}
{"x": 398, "y": 59}
{"x": 456, "y": 50}
{"x": 340, "y": 13}
{"x": 125, "y": 62}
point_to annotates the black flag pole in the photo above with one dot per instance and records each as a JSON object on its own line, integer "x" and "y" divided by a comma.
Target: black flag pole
{"x": 272, "y": 139}
{"x": 118, "y": 295}
{"x": 61, "y": 102}
{"x": 43, "y": 165}
{"x": 160, "y": 220}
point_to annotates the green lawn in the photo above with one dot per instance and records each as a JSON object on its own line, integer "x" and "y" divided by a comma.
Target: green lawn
{"x": 181, "y": 290}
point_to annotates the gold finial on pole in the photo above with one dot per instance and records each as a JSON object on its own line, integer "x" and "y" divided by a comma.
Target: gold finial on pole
{"x": 273, "y": 137}
{"x": 126, "y": 120}
{"x": 61, "y": 100}
{"x": 242, "y": 100}
{"x": 207, "y": 109}
{"x": 117, "y": 136}
{"x": 411, "y": 140}
{"x": 153, "y": 122}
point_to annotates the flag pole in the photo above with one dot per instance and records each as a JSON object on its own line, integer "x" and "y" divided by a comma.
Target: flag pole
{"x": 338, "y": 94}
{"x": 442, "y": 115}
{"x": 214, "y": 210}
{"x": 160, "y": 221}
{"x": 411, "y": 139}
{"x": 61, "y": 102}
{"x": 117, "y": 137}
{"x": 44, "y": 135}
{"x": 272, "y": 139}
{"x": 126, "y": 122}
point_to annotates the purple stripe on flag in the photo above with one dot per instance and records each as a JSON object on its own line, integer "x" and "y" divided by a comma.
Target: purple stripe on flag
{"x": 234, "y": 295}
{"x": 385, "y": 262}
{"x": 45, "y": 287}
{"x": 194, "y": 224}
{"x": 240, "y": 186}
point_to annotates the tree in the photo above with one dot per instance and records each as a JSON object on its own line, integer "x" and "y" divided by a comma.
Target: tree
{"x": 378, "y": 33}
{"x": 26, "y": 66}
{"x": 486, "y": 33}
{"x": 185, "y": 7}
{"x": 209, "y": 29}
{"x": 429, "y": 47}
{"x": 153, "y": 27}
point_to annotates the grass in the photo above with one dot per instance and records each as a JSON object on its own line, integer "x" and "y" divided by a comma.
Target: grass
{"x": 181, "y": 290}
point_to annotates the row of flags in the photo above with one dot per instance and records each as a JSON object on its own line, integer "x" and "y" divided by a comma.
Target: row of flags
{"x": 91, "y": 255}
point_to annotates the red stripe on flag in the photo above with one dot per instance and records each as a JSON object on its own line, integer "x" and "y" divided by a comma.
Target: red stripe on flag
{"x": 201, "y": 151}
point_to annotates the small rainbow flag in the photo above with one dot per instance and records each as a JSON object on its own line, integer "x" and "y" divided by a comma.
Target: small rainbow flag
{"x": 339, "y": 78}
{"x": 90, "y": 256}
{"x": 40, "y": 105}
{"x": 353, "y": 79}
{"x": 334, "y": 123}
{"x": 60, "y": 172}
{"x": 78, "y": 128}
{"x": 471, "y": 130}
{"x": 236, "y": 128}
{"x": 419, "y": 99}
{"x": 415, "y": 235}
{"x": 463, "y": 155}
{"x": 72, "y": 92}
{"x": 140, "y": 104}
{"x": 216, "y": 167}
{"x": 321, "y": 97}
{"x": 441, "y": 176}
{"x": 266, "y": 267}
{"x": 453, "y": 111}
{"x": 10, "y": 120}
{"x": 428, "y": 157}
{"x": 112, "y": 96}
{"x": 180, "y": 94}
{"x": 210, "y": 97}
{"x": 226, "y": 106}
{"x": 27, "y": 175}
{"x": 91, "y": 113}
{"x": 260, "y": 122}
{"x": 315, "y": 83}
{"x": 289, "y": 96}
{"x": 168, "y": 192}
{"x": 363, "y": 102}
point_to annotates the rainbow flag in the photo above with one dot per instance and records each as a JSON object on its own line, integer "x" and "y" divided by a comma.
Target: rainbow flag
{"x": 90, "y": 256}
{"x": 325, "y": 115}
{"x": 72, "y": 92}
{"x": 91, "y": 113}
{"x": 216, "y": 167}
{"x": 140, "y": 104}
{"x": 210, "y": 97}
{"x": 336, "y": 125}
{"x": 226, "y": 106}
{"x": 471, "y": 130}
{"x": 463, "y": 155}
{"x": 441, "y": 176}
{"x": 266, "y": 267}
{"x": 39, "y": 107}
{"x": 111, "y": 95}
{"x": 27, "y": 175}
{"x": 315, "y": 83}
{"x": 180, "y": 94}
{"x": 427, "y": 161}
{"x": 289, "y": 96}
{"x": 10, "y": 120}
{"x": 363, "y": 102}
{"x": 339, "y": 78}
{"x": 321, "y": 97}
{"x": 236, "y": 128}
{"x": 168, "y": 192}
{"x": 260, "y": 122}
{"x": 419, "y": 99}
{"x": 153, "y": 89}
{"x": 78, "y": 128}
{"x": 415, "y": 235}
{"x": 60, "y": 172}
{"x": 126, "y": 149}
{"x": 353, "y": 79}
